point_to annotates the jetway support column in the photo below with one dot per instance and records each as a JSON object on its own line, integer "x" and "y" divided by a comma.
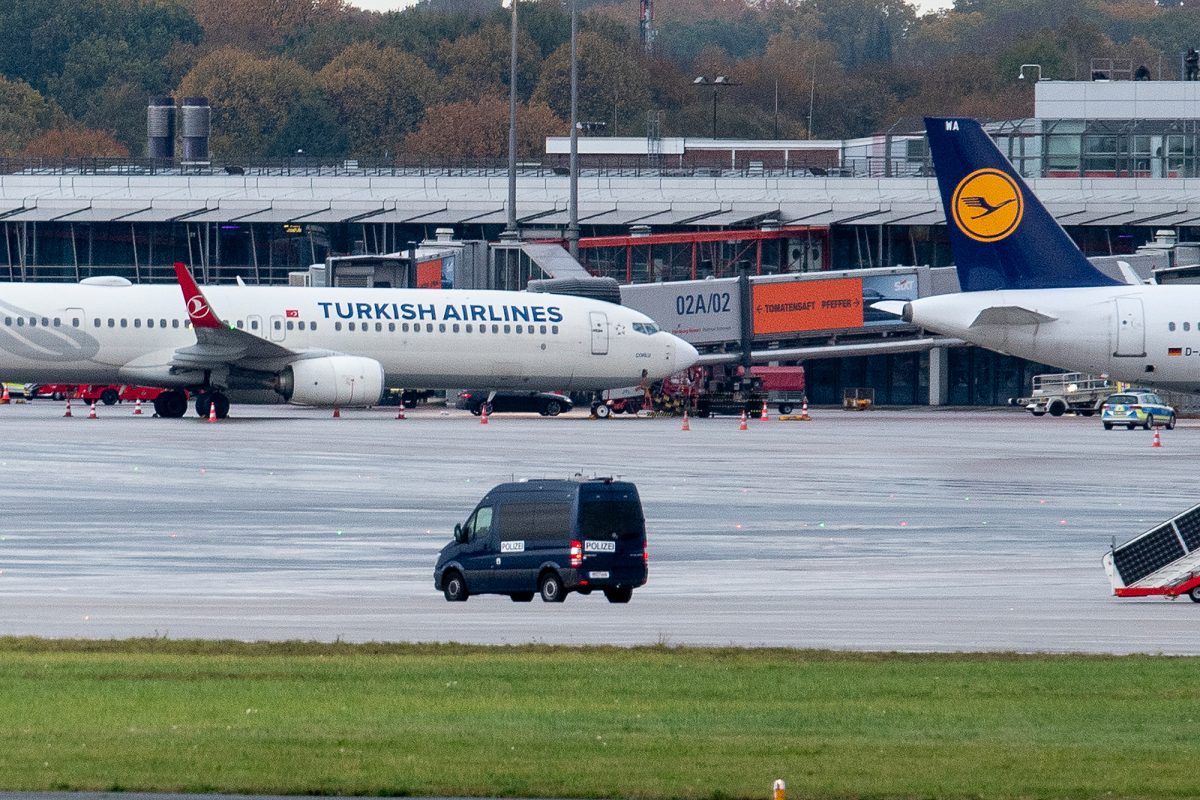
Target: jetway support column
{"x": 939, "y": 379}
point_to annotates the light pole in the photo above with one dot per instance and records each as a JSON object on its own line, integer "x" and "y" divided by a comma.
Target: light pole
{"x": 573, "y": 196}
{"x": 511, "y": 227}
{"x": 716, "y": 83}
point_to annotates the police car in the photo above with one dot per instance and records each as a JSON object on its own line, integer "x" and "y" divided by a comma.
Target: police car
{"x": 1136, "y": 407}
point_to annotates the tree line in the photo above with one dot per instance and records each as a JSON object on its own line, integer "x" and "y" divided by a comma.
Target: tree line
{"x": 431, "y": 82}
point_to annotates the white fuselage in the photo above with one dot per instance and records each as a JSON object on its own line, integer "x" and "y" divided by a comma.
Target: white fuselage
{"x": 1147, "y": 334}
{"x": 423, "y": 338}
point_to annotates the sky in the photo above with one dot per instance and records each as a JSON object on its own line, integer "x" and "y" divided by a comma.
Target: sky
{"x": 392, "y": 5}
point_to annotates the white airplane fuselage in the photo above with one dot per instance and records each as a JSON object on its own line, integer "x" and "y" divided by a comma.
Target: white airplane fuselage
{"x": 423, "y": 338}
{"x": 1137, "y": 333}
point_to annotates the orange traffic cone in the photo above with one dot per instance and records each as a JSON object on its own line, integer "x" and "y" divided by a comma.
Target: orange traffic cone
{"x": 337, "y": 413}
{"x": 92, "y": 413}
{"x": 1157, "y": 440}
{"x": 400, "y": 413}
{"x": 212, "y": 412}
{"x": 763, "y": 416}
{"x": 686, "y": 426}
{"x": 68, "y": 412}
{"x": 804, "y": 411}
{"x": 743, "y": 426}
{"x": 137, "y": 408}
{"x": 483, "y": 415}
{"x": 4, "y": 398}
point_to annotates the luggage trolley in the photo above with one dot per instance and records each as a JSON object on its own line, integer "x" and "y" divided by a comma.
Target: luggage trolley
{"x": 1163, "y": 561}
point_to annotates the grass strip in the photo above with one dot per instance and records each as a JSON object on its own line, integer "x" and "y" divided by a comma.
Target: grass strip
{"x": 540, "y": 721}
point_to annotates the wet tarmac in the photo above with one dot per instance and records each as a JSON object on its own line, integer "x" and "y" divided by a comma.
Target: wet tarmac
{"x": 917, "y": 530}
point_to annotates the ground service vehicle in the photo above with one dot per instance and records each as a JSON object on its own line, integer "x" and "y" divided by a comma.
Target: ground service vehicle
{"x": 1065, "y": 392}
{"x": 784, "y": 386}
{"x": 548, "y": 404}
{"x": 1136, "y": 407}
{"x": 108, "y": 394}
{"x": 549, "y": 537}
{"x": 1162, "y": 561}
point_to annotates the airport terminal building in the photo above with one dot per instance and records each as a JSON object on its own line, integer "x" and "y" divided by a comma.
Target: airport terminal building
{"x": 1116, "y": 161}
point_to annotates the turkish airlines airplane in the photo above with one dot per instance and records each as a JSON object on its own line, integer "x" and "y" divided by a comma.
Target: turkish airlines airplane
{"x": 322, "y": 347}
{"x": 1028, "y": 290}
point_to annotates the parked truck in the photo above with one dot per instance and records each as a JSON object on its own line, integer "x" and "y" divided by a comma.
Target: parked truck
{"x": 1061, "y": 393}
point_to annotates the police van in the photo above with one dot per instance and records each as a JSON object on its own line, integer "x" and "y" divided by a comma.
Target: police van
{"x": 548, "y": 537}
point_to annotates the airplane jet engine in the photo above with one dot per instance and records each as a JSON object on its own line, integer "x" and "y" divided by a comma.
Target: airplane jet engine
{"x": 332, "y": 381}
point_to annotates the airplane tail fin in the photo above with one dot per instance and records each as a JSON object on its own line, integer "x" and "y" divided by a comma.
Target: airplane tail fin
{"x": 1001, "y": 235}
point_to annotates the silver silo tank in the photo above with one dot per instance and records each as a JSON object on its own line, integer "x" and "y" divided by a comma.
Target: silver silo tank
{"x": 197, "y": 125}
{"x": 160, "y": 127}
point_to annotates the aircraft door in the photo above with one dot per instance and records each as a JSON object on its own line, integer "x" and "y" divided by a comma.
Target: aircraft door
{"x": 1131, "y": 328}
{"x": 599, "y": 333}
{"x": 277, "y": 328}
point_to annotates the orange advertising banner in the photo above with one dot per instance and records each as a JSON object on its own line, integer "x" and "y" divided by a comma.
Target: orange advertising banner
{"x": 807, "y": 305}
{"x": 429, "y": 274}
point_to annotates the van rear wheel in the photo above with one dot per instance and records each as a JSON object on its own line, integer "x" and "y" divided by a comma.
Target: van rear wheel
{"x": 550, "y": 587}
{"x": 455, "y": 587}
{"x": 619, "y": 594}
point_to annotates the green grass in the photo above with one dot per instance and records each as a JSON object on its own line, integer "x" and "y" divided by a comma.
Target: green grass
{"x": 659, "y": 722}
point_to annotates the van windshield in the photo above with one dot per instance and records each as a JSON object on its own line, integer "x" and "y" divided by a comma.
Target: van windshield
{"x": 600, "y": 516}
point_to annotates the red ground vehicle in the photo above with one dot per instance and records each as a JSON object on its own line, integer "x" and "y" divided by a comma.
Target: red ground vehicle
{"x": 93, "y": 393}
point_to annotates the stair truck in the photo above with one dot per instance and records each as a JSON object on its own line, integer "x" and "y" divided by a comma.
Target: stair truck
{"x": 1163, "y": 561}
{"x": 1066, "y": 393}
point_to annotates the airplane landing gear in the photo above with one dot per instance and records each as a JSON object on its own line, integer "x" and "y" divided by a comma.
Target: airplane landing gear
{"x": 171, "y": 404}
{"x": 221, "y": 402}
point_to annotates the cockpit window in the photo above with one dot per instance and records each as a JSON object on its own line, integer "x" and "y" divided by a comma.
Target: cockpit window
{"x": 647, "y": 328}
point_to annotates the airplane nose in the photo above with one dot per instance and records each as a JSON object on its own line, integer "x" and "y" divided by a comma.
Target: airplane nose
{"x": 685, "y": 355}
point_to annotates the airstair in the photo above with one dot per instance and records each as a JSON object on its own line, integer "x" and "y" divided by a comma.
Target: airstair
{"x": 1163, "y": 561}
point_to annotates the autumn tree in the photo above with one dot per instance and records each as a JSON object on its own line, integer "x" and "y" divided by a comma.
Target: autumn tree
{"x": 478, "y": 63}
{"x": 613, "y": 83}
{"x": 478, "y": 129}
{"x": 251, "y": 98}
{"x": 65, "y": 143}
{"x": 259, "y": 26}
{"x": 24, "y": 115}
{"x": 379, "y": 93}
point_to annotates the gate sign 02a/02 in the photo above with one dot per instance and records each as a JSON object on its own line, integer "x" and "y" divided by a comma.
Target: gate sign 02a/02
{"x": 701, "y": 312}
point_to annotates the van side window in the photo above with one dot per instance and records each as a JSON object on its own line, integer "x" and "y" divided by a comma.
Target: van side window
{"x": 479, "y": 526}
{"x": 537, "y": 520}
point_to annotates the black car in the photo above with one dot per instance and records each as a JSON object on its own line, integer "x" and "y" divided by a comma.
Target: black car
{"x": 548, "y": 404}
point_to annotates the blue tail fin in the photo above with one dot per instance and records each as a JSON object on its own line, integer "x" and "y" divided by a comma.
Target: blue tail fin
{"x": 1002, "y": 236}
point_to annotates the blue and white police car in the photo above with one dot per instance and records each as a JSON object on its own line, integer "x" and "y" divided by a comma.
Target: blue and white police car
{"x": 1136, "y": 407}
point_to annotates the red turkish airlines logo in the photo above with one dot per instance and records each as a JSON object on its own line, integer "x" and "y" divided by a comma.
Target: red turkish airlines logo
{"x": 197, "y": 307}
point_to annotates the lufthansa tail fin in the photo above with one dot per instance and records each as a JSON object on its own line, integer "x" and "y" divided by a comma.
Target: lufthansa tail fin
{"x": 1001, "y": 235}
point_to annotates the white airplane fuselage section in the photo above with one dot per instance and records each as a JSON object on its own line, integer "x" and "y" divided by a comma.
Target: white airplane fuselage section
{"x": 78, "y": 333}
{"x": 1137, "y": 333}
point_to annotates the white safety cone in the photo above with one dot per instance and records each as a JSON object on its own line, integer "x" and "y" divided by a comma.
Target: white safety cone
{"x": 92, "y": 413}
{"x": 804, "y": 411}
{"x": 137, "y": 408}
{"x": 686, "y": 426}
{"x": 68, "y": 411}
{"x": 400, "y": 413}
{"x": 212, "y": 412}
{"x": 763, "y": 416}
{"x": 743, "y": 426}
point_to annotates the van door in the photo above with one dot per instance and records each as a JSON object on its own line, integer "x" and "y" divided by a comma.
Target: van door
{"x": 613, "y": 530}
{"x": 599, "y": 333}
{"x": 478, "y": 554}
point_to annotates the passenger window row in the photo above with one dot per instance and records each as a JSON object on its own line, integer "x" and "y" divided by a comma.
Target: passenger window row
{"x": 1187, "y": 326}
{"x": 392, "y": 327}
{"x": 443, "y": 327}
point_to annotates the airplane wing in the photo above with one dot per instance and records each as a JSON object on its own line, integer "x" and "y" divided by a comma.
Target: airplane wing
{"x": 1011, "y": 315}
{"x": 217, "y": 344}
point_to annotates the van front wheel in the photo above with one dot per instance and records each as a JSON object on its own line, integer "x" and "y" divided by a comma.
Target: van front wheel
{"x": 619, "y": 594}
{"x": 454, "y": 587}
{"x": 551, "y": 589}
